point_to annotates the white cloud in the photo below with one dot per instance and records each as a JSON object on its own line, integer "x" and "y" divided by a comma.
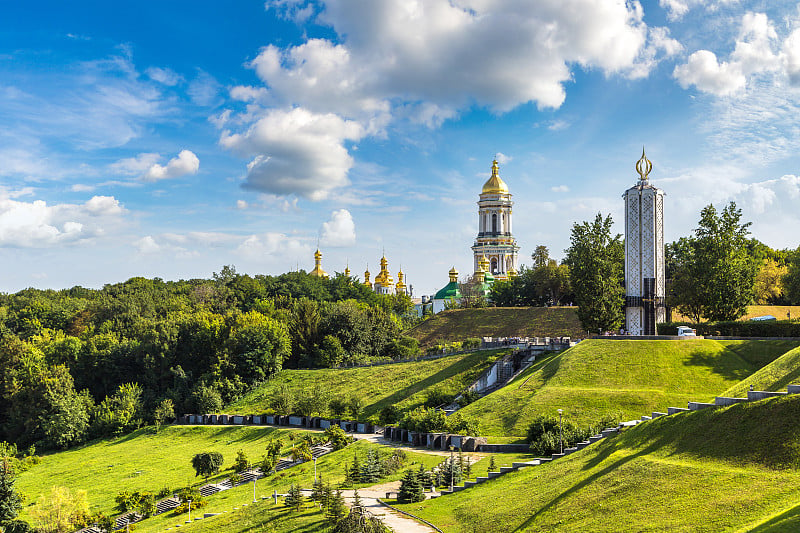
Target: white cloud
{"x": 164, "y": 76}
{"x": 185, "y": 163}
{"x": 502, "y": 158}
{"x": 296, "y": 152}
{"x": 37, "y": 225}
{"x": 204, "y": 90}
{"x": 80, "y": 187}
{"x": 560, "y": 188}
{"x": 340, "y": 230}
{"x": 241, "y": 204}
{"x": 676, "y": 9}
{"x": 704, "y": 72}
{"x": 134, "y": 166}
{"x": 246, "y": 93}
{"x": 272, "y": 244}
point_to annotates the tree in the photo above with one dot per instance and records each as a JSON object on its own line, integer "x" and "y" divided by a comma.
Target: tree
{"x": 164, "y": 411}
{"x": 241, "y": 463}
{"x": 791, "y": 280}
{"x": 206, "y": 464}
{"x": 551, "y": 282}
{"x": 540, "y": 257}
{"x": 337, "y": 437}
{"x": 336, "y": 509}
{"x": 60, "y": 511}
{"x": 300, "y": 452}
{"x": 714, "y": 273}
{"x": 596, "y": 273}
{"x": 768, "y": 287}
{"x": 10, "y": 500}
{"x": 294, "y": 498}
{"x": 371, "y": 469}
{"x": 411, "y": 489}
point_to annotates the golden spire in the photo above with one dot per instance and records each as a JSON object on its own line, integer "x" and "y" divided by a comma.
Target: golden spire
{"x": 495, "y": 185}
{"x": 318, "y": 266}
{"x": 484, "y": 263}
{"x": 400, "y": 288}
{"x": 366, "y": 277}
{"x": 347, "y": 269}
{"x": 643, "y": 166}
{"x": 453, "y": 275}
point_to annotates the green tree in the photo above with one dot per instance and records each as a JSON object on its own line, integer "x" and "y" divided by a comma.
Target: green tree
{"x": 10, "y": 500}
{"x": 596, "y": 263}
{"x": 240, "y": 464}
{"x": 60, "y": 511}
{"x": 336, "y": 509}
{"x": 206, "y": 464}
{"x": 791, "y": 280}
{"x": 714, "y": 273}
{"x": 294, "y": 498}
{"x": 411, "y": 489}
{"x": 164, "y": 411}
{"x": 371, "y": 468}
{"x": 337, "y": 437}
{"x": 768, "y": 287}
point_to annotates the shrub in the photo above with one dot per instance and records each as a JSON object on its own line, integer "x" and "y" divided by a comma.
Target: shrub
{"x": 389, "y": 415}
{"x": 206, "y": 464}
{"x": 337, "y": 437}
{"x": 438, "y": 397}
{"x": 743, "y": 328}
{"x": 467, "y": 397}
{"x": 472, "y": 343}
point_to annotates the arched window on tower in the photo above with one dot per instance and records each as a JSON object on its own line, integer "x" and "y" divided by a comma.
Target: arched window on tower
{"x": 494, "y": 223}
{"x": 494, "y": 265}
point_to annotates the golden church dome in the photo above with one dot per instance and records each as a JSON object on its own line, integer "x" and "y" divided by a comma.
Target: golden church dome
{"x": 495, "y": 185}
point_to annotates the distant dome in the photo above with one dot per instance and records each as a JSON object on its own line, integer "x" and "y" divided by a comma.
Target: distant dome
{"x": 495, "y": 185}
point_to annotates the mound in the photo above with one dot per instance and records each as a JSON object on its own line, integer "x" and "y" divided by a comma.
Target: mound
{"x": 403, "y": 384}
{"x": 460, "y": 324}
{"x": 773, "y": 377}
{"x": 731, "y": 469}
{"x": 626, "y": 377}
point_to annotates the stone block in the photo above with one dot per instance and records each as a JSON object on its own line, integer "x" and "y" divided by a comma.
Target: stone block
{"x": 673, "y": 410}
{"x": 324, "y": 424}
{"x": 695, "y": 406}
{"x": 238, "y": 420}
{"x": 793, "y": 389}
{"x": 656, "y": 414}
{"x": 257, "y": 419}
{"x": 295, "y": 421}
{"x": 270, "y": 420}
{"x": 755, "y": 395}
{"x": 456, "y": 441}
{"x": 725, "y": 400}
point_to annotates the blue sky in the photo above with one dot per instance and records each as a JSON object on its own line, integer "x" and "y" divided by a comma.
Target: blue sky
{"x": 171, "y": 138}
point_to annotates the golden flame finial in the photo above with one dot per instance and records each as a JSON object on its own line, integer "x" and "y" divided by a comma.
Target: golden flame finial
{"x": 495, "y": 169}
{"x": 643, "y": 166}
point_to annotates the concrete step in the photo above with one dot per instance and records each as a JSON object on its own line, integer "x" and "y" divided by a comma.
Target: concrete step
{"x": 793, "y": 389}
{"x": 468, "y": 484}
{"x": 481, "y": 479}
{"x": 645, "y": 418}
{"x": 673, "y": 410}
{"x": 695, "y": 406}
{"x": 493, "y": 475}
{"x": 656, "y": 414}
{"x": 506, "y": 469}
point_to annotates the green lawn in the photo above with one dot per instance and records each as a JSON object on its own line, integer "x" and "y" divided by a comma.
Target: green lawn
{"x": 629, "y": 377}
{"x": 732, "y": 469}
{"x": 403, "y": 384}
{"x": 773, "y": 377}
{"x": 460, "y": 324}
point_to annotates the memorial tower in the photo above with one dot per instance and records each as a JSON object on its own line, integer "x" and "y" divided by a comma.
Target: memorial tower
{"x": 495, "y": 240}
{"x": 644, "y": 254}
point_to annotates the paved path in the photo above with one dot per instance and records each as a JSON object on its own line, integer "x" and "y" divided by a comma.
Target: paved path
{"x": 397, "y": 521}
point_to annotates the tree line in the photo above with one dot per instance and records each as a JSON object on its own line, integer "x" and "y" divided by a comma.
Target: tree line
{"x": 80, "y": 363}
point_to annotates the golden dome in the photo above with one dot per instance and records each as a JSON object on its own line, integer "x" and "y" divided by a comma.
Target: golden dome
{"x": 495, "y": 185}
{"x": 453, "y": 275}
{"x": 318, "y": 266}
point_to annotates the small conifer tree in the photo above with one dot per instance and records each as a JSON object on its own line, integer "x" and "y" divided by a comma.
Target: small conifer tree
{"x": 355, "y": 470}
{"x": 336, "y": 509}
{"x": 410, "y": 488}
{"x": 241, "y": 463}
{"x": 371, "y": 469}
{"x": 492, "y": 465}
{"x": 294, "y": 498}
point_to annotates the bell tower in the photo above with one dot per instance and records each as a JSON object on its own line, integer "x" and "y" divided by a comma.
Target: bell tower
{"x": 495, "y": 240}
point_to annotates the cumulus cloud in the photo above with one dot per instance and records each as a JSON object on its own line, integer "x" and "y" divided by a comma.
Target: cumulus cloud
{"x": 269, "y": 244}
{"x": 185, "y": 163}
{"x": 502, "y": 158}
{"x": 704, "y": 72}
{"x": 560, "y": 188}
{"x": 38, "y": 225}
{"x": 134, "y": 166}
{"x": 340, "y": 230}
{"x": 296, "y": 152}
{"x": 676, "y": 9}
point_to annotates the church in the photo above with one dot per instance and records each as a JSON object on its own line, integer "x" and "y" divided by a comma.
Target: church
{"x": 383, "y": 284}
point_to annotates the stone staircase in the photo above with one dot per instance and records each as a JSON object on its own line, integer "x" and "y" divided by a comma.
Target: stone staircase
{"x": 128, "y": 518}
{"x": 167, "y": 505}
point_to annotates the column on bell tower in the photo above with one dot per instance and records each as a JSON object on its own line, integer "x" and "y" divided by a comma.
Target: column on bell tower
{"x": 644, "y": 254}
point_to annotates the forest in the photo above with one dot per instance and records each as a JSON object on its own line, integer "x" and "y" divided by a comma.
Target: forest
{"x": 78, "y": 364}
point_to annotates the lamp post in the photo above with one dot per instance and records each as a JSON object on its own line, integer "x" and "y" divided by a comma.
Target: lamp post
{"x": 315, "y": 470}
{"x": 560, "y": 433}
{"x": 254, "y": 488}
{"x": 190, "y": 511}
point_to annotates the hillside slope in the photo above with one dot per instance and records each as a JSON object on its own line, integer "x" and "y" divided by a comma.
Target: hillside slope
{"x": 403, "y": 384}
{"x": 460, "y": 324}
{"x": 773, "y": 377}
{"x": 629, "y": 377}
{"x": 732, "y": 469}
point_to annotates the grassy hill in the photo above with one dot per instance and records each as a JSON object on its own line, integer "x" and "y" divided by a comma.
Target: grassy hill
{"x": 402, "y": 384}
{"x": 460, "y": 324}
{"x": 732, "y": 469}
{"x": 772, "y": 377}
{"x": 146, "y": 461}
{"x": 778, "y": 311}
{"x": 631, "y": 377}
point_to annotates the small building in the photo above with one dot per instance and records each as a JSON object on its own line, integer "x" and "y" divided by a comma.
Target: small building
{"x": 449, "y": 294}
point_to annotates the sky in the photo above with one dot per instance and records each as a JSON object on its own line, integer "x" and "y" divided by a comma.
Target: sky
{"x": 168, "y": 139}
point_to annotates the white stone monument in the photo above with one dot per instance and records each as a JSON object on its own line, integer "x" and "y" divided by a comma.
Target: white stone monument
{"x": 644, "y": 254}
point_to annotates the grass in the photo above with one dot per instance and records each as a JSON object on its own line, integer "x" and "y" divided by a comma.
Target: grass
{"x": 629, "y": 378}
{"x": 460, "y": 324}
{"x": 731, "y": 469}
{"x": 143, "y": 461}
{"x": 778, "y": 311}
{"x": 403, "y": 384}
{"x": 330, "y": 468}
{"x": 773, "y": 377}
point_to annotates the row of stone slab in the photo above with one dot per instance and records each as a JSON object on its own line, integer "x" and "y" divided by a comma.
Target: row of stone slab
{"x": 310, "y": 422}
{"x": 434, "y": 441}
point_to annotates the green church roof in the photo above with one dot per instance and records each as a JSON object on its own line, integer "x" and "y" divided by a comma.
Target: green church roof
{"x": 448, "y": 291}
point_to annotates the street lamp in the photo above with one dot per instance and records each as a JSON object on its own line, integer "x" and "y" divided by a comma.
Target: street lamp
{"x": 560, "y": 432}
{"x": 190, "y": 511}
{"x": 315, "y": 470}
{"x": 254, "y": 488}
{"x": 452, "y": 469}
